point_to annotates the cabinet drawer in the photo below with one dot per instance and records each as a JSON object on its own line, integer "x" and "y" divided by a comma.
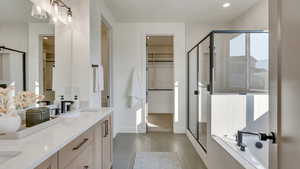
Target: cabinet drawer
{"x": 51, "y": 163}
{"x": 73, "y": 149}
{"x": 83, "y": 161}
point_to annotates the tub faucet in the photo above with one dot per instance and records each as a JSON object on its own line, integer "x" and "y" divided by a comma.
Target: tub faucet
{"x": 261, "y": 136}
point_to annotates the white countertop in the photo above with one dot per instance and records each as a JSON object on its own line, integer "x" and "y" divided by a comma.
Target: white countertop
{"x": 40, "y": 146}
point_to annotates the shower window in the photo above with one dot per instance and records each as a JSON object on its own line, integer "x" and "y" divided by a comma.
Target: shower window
{"x": 240, "y": 63}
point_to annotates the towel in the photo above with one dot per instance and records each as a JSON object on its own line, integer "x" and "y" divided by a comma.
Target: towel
{"x": 98, "y": 79}
{"x": 135, "y": 91}
{"x": 101, "y": 78}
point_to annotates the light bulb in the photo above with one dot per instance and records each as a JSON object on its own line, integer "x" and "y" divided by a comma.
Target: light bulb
{"x": 38, "y": 9}
{"x": 69, "y": 15}
{"x": 54, "y": 19}
{"x": 69, "y": 18}
{"x": 226, "y": 5}
{"x": 55, "y": 6}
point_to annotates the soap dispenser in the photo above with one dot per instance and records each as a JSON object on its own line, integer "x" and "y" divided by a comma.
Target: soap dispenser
{"x": 76, "y": 105}
{"x": 62, "y": 98}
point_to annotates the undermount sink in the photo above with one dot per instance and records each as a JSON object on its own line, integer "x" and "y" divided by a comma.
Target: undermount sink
{"x": 72, "y": 114}
{"x": 7, "y": 155}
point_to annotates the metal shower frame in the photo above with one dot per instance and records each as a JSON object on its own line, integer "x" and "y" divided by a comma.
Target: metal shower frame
{"x": 211, "y": 36}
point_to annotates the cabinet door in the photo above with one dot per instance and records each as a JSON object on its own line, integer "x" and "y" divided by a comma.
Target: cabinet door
{"x": 51, "y": 163}
{"x": 83, "y": 161}
{"x": 98, "y": 145}
{"x": 106, "y": 144}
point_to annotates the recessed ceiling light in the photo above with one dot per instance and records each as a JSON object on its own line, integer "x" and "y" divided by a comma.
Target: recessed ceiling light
{"x": 45, "y": 38}
{"x": 226, "y": 5}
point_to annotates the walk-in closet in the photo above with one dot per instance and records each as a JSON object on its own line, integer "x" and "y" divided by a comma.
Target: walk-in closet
{"x": 160, "y": 79}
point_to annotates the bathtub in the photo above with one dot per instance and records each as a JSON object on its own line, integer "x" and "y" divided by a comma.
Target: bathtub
{"x": 252, "y": 158}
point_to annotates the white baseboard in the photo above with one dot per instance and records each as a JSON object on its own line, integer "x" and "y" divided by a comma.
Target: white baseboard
{"x": 197, "y": 147}
{"x": 131, "y": 130}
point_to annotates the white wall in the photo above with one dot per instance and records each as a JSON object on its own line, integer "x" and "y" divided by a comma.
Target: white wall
{"x": 130, "y": 54}
{"x": 255, "y": 18}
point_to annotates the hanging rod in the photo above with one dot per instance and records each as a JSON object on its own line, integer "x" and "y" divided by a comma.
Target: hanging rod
{"x": 161, "y": 54}
{"x": 160, "y": 89}
{"x": 154, "y": 61}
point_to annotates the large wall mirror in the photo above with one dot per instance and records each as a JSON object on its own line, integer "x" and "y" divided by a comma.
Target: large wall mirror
{"x": 27, "y": 47}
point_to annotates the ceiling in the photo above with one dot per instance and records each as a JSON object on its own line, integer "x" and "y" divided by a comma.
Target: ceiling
{"x": 199, "y": 11}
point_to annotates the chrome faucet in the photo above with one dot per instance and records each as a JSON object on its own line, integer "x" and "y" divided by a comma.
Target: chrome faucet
{"x": 65, "y": 105}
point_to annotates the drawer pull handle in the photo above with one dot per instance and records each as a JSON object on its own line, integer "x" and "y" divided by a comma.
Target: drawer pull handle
{"x": 81, "y": 144}
{"x": 85, "y": 167}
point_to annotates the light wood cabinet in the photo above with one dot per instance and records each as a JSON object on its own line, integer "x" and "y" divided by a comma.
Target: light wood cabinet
{"x": 75, "y": 148}
{"x": 103, "y": 144}
{"x": 106, "y": 144}
{"x": 51, "y": 163}
{"x": 84, "y": 160}
{"x": 91, "y": 150}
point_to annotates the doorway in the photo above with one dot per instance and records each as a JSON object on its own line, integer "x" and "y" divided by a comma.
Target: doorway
{"x": 106, "y": 63}
{"x": 160, "y": 79}
{"x": 48, "y": 54}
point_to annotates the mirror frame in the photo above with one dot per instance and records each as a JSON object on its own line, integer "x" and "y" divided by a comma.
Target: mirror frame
{"x": 23, "y": 63}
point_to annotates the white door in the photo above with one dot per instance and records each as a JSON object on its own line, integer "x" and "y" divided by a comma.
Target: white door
{"x": 285, "y": 83}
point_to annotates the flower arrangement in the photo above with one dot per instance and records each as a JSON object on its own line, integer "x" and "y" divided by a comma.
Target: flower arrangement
{"x": 24, "y": 99}
{"x": 6, "y": 101}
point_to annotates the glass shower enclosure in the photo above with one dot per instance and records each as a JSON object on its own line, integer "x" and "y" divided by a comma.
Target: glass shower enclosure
{"x": 226, "y": 63}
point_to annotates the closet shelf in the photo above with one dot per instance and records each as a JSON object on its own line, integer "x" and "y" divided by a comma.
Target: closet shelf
{"x": 166, "y": 54}
{"x": 160, "y": 61}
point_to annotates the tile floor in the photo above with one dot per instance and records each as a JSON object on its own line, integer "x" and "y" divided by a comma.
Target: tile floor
{"x": 125, "y": 146}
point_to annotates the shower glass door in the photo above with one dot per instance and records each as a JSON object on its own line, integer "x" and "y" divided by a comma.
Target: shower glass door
{"x": 193, "y": 90}
{"x": 204, "y": 95}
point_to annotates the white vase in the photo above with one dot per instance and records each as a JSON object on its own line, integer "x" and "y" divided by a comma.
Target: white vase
{"x": 9, "y": 123}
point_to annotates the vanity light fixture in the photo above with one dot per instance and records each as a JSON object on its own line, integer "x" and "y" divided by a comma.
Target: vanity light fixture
{"x": 58, "y": 5}
{"x": 38, "y": 12}
{"x": 55, "y": 7}
{"x": 69, "y": 15}
{"x": 226, "y": 5}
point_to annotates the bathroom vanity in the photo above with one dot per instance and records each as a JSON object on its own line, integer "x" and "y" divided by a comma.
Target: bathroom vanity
{"x": 83, "y": 142}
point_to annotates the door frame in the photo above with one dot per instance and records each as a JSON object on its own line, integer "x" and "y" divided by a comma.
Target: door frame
{"x": 41, "y": 63}
{"x": 110, "y": 39}
{"x": 146, "y": 77}
{"x": 274, "y": 79}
